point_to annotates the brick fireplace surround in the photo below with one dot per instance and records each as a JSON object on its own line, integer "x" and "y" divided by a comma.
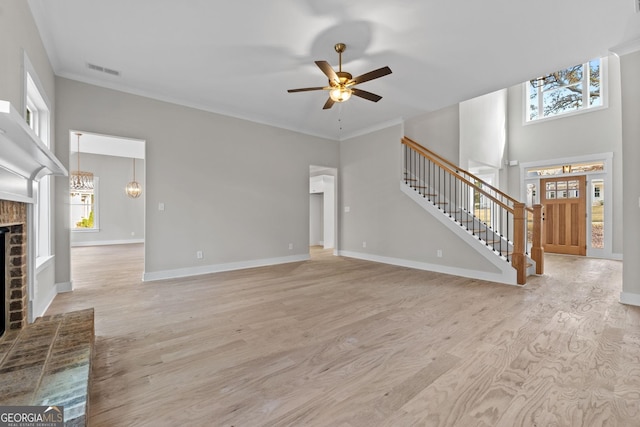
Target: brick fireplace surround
{"x": 47, "y": 362}
{"x": 14, "y": 216}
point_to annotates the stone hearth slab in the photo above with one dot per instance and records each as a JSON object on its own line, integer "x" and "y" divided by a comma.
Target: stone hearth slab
{"x": 49, "y": 363}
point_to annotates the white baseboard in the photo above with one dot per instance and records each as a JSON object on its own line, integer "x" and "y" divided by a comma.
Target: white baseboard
{"x": 617, "y": 257}
{"x": 39, "y": 308}
{"x": 508, "y": 279}
{"x": 107, "y": 242}
{"x": 629, "y": 298}
{"x": 217, "y": 268}
{"x": 64, "y": 287}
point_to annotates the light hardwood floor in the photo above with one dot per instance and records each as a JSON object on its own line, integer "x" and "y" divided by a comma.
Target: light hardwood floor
{"x": 342, "y": 342}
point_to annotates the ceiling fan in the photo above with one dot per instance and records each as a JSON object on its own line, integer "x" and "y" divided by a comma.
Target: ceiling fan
{"x": 341, "y": 83}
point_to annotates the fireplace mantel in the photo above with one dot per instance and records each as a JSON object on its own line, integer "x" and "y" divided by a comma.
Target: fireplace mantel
{"x": 23, "y": 156}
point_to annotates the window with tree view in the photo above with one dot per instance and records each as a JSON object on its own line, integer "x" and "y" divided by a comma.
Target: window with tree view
{"x": 572, "y": 89}
{"x": 84, "y": 209}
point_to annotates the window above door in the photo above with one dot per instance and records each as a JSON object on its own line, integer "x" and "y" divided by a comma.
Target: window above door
{"x": 572, "y": 90}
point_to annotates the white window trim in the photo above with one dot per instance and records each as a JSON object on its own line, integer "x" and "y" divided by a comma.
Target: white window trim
{"x": 36, "y": 100}
{"x": 604, "y": 85}
{"x": 40, "y": 103}
{"x": 39, "y": 239}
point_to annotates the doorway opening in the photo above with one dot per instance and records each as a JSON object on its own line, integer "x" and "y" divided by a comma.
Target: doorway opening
{"x": 323, "y": 212}
{"x": 103, "y": 214}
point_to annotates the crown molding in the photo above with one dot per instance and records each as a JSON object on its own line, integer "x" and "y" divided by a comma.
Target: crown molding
{"x": 627, "y": 47}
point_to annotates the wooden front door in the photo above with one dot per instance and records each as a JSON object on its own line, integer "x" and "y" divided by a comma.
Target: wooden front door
{"x": 565, "y": 215}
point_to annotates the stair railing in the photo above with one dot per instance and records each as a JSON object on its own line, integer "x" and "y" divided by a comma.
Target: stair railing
{"x": 495, "y": 218}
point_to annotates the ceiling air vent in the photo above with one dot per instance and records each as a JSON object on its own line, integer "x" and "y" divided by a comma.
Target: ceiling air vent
{"x": 108, "y": 70}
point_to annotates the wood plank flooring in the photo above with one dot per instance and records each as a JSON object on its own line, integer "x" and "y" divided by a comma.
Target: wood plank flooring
{"x": 342, "y": 342}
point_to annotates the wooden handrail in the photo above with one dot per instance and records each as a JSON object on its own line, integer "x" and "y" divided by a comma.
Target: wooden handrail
{"x": 410, "y": 142}
{"x": 503, "y": 200}
{"x": 445, "y": 166}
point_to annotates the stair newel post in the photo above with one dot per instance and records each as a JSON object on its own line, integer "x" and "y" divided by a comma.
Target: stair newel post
{"x": 518, "y": 259}
{"x": 537, "y": 251}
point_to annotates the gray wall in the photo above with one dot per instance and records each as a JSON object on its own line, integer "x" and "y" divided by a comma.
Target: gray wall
{"x": 236, "y": 190}
{"x": 391, "y": 224}
{"x": 121, "y": 217}
{"x": 439, "y": 131}
{"x": 630, "y": 70}
{"x": 593, "y": 132}
{"x": 19, "y": 34}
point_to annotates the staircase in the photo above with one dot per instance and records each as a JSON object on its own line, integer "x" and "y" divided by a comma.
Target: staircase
{"x": 501, "y": 228}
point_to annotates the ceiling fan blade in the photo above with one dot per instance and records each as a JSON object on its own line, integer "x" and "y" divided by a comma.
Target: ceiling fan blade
{"x": 366, "y": 95}
{"x": 328, "y": 104}
{"x": 328, "y": 71}
{"x": 370, "y": 76}
{"x": 305, "y": 89}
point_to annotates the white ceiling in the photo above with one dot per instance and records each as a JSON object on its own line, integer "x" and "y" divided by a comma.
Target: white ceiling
{"x": 239, "y": 58}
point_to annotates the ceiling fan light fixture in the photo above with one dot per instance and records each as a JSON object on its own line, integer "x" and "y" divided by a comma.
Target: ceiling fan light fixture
{"x": 340, "y": 94}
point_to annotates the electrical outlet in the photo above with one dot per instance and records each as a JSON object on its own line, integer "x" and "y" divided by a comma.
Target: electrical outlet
{"x": 199, "y": 255}
{"x": 160, "y": 206}
{"x": 439, "y": 253}
{"x": 290, "y": 246}
{"x": 364, "y": 244}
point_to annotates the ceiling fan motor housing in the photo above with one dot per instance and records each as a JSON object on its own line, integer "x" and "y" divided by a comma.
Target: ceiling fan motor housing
{"x": 343, "y": 76}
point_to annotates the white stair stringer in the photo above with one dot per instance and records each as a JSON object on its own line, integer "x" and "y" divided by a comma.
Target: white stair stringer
{"x": 507, "y": 275}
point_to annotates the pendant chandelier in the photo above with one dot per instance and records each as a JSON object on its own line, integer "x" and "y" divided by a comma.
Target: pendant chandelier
{"x": 80, "y": 180}
{"x": 133, "y": 188}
